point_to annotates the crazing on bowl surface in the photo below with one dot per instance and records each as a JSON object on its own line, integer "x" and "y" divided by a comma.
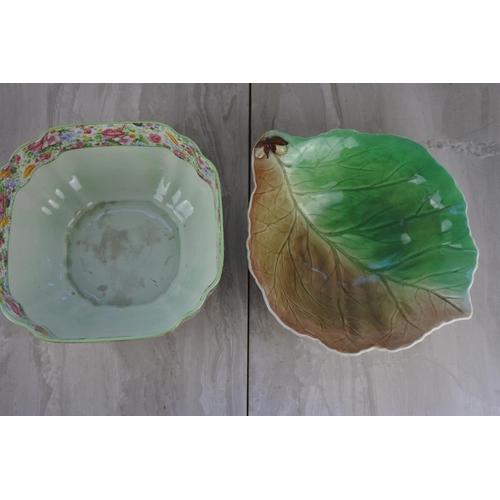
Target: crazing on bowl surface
{"x": 121, "y": 242}
{"x": 360, "y": 241}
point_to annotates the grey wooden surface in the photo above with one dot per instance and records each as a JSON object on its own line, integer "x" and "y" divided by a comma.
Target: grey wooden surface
{"x": 201, "y": 368}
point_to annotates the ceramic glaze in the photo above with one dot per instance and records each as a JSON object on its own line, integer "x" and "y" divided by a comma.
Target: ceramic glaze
{"x": 123, "y": 253}
{"x": 358, "y": 240}
{"x": 107, "y": 243}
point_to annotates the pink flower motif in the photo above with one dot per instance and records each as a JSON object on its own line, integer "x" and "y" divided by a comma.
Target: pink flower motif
{"x": 78, "y": 145}
{"x": 45, "y": 141}
{"x": 113, "y": 133}
{"x": 14, "y": 307}
{"x": 36, "y": 146}
{"x": 156, "y": 138}
{"x": 88, "y": 130}
{"x": 45, "y": 156}
{"x": 179, "y": 154}
{"x": 3, "y": 200}
{"x": 17, "y": 159}
{"x": 52, "y": 139}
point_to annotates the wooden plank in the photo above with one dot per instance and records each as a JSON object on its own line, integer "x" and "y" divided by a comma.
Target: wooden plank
{"x": 200, "y": 368}
{"x": 455, "y": 370}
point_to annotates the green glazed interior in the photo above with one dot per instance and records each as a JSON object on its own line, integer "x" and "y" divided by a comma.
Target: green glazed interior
{"x": 109, "y": 243}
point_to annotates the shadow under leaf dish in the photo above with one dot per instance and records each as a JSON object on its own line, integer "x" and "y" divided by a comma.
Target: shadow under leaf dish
{"x": 358, "y": 240}
{"x": 108, "y": 231}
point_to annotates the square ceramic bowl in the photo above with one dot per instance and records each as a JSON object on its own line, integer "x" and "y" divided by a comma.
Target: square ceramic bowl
{"x": 108, "y": 243}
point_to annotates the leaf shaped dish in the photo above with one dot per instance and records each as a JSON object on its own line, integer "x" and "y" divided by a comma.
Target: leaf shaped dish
{"x": 358, "y": 240}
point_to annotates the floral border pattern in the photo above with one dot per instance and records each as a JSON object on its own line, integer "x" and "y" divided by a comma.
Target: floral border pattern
{"x": 57, "y": 140}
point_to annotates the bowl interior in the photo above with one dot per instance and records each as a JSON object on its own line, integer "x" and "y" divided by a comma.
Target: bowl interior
{"x": 112, "y": 242}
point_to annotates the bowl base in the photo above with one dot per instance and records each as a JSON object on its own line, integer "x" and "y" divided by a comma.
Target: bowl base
{"x": 122, "y": 253}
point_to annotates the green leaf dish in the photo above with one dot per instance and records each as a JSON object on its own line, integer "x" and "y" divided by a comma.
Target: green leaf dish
{"x": 108, "y": 231}
{"x": 360, "y": 241}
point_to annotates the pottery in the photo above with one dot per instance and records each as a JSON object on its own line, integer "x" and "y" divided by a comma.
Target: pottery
{"x": 109, "y": 231}
{"x": 360, "y": 241}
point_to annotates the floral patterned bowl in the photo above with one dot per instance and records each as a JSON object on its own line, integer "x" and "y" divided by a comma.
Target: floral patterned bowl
{"x": 108, "y": 243}
{"x": 360, "y": 241}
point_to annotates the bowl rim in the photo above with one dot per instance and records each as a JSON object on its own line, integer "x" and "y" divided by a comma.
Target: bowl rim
{"x": 42, "y": 332}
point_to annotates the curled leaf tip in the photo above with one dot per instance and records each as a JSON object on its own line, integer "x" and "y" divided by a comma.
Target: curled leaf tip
{"x": 274, "y": 144}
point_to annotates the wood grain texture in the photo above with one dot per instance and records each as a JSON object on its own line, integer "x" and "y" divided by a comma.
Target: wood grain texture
{"x": 200, "y": 368}
{"x": 455, "y": 370}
